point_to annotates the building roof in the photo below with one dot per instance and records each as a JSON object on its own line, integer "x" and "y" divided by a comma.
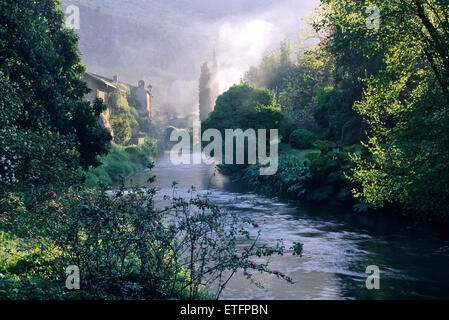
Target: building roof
{"x": 104, "y": 80}
{"x": 111, "y": 83}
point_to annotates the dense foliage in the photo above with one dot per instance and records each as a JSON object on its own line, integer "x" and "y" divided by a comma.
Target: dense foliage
{"x": 384, "y": 84}
{"x": 302, "y": 139}
{"x": 250, "y": 107}
{"x": 29, "y": 158}
{"x": 315, "y": 175}
{"x": 41, "y": 58}
{"x": 405, "y": 99}
{"x": 121, "y": 162}
{"x": 124, "y": 247}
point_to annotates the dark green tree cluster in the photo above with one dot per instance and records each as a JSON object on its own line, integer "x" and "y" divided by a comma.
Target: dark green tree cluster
{"x": 41, "y": 59}
{"x": 379, "y": 80}
{"x": 205, "y": 92}
{"x": 306, "y": 89}
{"x": 244, "y": 107}
{"x": 405, "y": 98}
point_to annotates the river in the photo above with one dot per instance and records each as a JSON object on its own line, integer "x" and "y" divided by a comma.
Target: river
{"x": 338, "y": 244}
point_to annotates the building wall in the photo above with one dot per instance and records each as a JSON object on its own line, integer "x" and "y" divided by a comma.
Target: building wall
{"x": 144, "y": 98}
{"x": 93, "y": 85}
{"x": 97, "y": 92}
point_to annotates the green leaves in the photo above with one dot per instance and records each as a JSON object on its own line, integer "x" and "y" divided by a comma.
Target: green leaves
{"x": 250, "y": 107}
{"x": 124, "y": 246}
{"x": 402, "y": 79}
{"x": 42, "y": 60}
{"x": 302, "y": 139}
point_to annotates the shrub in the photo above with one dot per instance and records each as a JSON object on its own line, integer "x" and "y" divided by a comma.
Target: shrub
{"x": 286, "y": 129}
{"x": 321, "y": 178}
{"x": 152, "y": 147}
{"x": 324, "y": 145}
{"x": 132, "y": 150}
{"x": 312, "y": 156}
{"x": 116, "y": 166}
{"x": 302, "y": 139}
{"x": 290, "y": 179}
{"x": 125, "y": 248}
{"x": 29, "y": 158}
{"x": 122, "y": 129}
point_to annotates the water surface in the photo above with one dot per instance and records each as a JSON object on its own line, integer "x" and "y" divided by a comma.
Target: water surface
{"x": 338, "y": 244}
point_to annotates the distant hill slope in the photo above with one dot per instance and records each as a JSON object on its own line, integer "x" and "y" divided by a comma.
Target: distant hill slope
{"x": 197, "y": 8}
{"x": 165, "y": 42}
{"x": 143, "y": 40}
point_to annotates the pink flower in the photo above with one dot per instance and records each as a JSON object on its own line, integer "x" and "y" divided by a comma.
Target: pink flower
{"x": 253, "y": 264}
{"x": 255, "y": 225}
{"x": 156, "y": 223}
{"x": 52, "y": 194}
{"x": 245, "y": 248}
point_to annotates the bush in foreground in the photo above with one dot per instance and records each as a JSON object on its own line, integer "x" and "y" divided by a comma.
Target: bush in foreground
{"x": 124, "y": 246}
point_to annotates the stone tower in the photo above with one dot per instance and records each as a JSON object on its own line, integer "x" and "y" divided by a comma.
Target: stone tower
{"x": 144, "y": 98}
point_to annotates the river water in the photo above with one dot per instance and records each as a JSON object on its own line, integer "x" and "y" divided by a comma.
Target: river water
{"x": 338, "y": 245}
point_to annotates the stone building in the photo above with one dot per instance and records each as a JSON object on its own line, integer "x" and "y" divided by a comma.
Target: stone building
{"x": 101, "y": 87}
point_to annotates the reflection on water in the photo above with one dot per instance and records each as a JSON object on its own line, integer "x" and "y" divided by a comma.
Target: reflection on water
{"x": 338, "y": 246}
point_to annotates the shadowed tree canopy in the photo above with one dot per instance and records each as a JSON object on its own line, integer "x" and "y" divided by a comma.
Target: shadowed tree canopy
{"x": 405, "y": 97}
{"x": 42, "y": 58}
{"x": 205, "y": 92}
{"x": 245, "y": 107}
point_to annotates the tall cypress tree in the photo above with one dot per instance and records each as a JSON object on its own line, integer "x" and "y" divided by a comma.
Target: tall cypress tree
{"x": 215, "y": 85}
{"x": 42, "y": 59}
{"x": 205, "y": 92}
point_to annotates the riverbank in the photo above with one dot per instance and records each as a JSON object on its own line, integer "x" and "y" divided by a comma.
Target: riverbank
{"x": 313, "y": 175}
{"x": 338, "y": 244}
{"x": 319, "y": 176}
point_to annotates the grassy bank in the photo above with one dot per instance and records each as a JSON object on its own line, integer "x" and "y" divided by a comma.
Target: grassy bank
{"x": 121, "y": 162}
{"x": 315, "y": 175}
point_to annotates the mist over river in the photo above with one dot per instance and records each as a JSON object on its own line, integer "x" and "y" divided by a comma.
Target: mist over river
{"x": 338, "y": 244}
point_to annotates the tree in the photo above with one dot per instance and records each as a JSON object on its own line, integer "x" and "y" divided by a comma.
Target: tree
{"x": 42, "y": 58}
{"x": 215, "y": 81}
{"x": 205, "y": 92}
{"x": 245, "y": 107}
{"x": 122, "y": 129}
{"x": 32, "y": 158}
{"x": 302, "y": 84}
{"x": 336, "y": 117}
{"x": 272, "y": 70}
{"x": 405, "y": 101}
